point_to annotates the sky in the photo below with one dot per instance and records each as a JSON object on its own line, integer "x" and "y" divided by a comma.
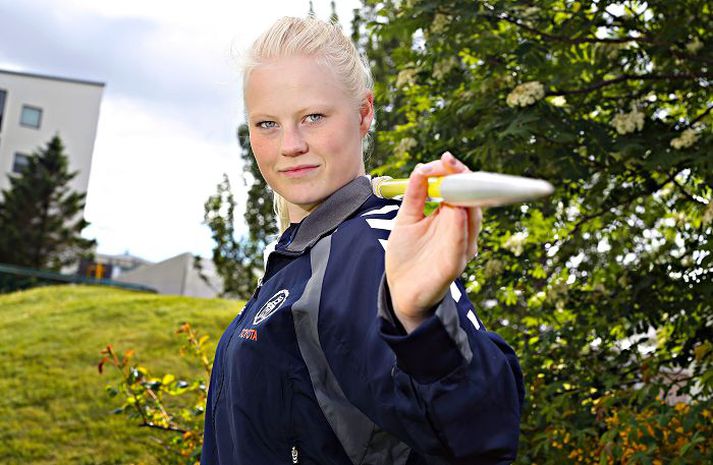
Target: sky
{"x": 170, "y": 108}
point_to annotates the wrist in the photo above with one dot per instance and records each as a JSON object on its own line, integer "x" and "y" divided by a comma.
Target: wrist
{"x": 410, "y": 316}
{"x": 405, "y": 309}
{"x": 410, "y": 323}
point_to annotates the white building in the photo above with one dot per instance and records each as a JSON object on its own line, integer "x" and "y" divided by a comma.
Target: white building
{"x": 177, "y": 276}
{"x": 35, "y": 108}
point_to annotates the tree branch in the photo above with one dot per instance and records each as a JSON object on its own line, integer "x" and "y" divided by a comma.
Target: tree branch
{"x": 595, "y": 40}
{"x": 163, "y": 428}
{"x": 628, "y": 77}
{"x": 687, "y": 194}
{"x": 626, "y": 200}
{"x": 571, "y": 40}
{"x": 701, "y": 116}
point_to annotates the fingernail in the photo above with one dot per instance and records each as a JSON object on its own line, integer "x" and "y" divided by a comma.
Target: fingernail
{"x": 452, "y": 160}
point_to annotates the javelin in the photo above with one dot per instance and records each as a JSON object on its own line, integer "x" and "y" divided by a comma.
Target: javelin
{"x": 477, "y": 189}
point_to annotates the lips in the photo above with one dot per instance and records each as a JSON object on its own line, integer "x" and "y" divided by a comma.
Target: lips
{"x": 299, "y": 170}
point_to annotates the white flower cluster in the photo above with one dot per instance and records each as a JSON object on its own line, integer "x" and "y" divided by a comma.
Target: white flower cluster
{"x": 530, "y": 11}
{"x": 516, "y": 243}
{"x": 493, "y": 268}
{"x": 526, "y": 94}
{"x": 442, "y": 68}
{"x": 694, "y": 46}
{"x": 558, "y": 101}
{"x": 405, "y": 144}
{"x": 440, "y": 21}
{"x": 625, "y": 123}
{"x": 406, "y": 77}
{"x": 685, "y": 140}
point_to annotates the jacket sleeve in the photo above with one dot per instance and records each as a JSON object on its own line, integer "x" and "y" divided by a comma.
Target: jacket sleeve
{"x": 449, "y": 389}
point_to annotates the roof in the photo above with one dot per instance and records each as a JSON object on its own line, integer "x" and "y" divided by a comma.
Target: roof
{"x": 52, "y": 78}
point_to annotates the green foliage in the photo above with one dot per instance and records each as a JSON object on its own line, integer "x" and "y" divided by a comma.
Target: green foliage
{"x": 40, "y": 217}
{"x": 259, "y": 214}
{"x": 165, "y": 403}
{"x": 236, "y": 262}
{"x": 605, "y": 288}
{"x": 239, "y": 261}
{"x": 54, "y": 408}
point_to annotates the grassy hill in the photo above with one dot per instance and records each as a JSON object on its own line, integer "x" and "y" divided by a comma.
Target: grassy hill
{"x": 53, "y": 406}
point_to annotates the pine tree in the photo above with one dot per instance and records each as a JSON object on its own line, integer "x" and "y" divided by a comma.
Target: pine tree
{"x": 40, "y": 216}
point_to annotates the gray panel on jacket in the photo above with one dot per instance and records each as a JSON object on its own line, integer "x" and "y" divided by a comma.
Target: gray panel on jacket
{"x": 364, "y": 442}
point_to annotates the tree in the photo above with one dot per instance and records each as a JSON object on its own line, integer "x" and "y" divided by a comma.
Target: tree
{"x": 605, "y": 289}
{"x": 239, "y": 261}
{"x": 259, "y": 213}
{"x": 40, "y": 216}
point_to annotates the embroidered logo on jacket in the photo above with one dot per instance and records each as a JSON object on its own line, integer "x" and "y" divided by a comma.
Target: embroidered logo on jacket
{"x": 249, "y": 334}
{"x": 271, "y": 306}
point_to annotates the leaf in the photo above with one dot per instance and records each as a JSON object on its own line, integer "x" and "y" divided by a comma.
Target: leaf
{"x": 100, "y": 366}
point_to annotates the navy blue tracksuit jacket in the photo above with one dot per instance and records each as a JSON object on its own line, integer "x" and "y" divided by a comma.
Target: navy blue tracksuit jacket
{"x": 317, "y": 370}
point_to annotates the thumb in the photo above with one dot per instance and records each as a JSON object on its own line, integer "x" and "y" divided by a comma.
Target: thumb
{"x": 414, "y": 200}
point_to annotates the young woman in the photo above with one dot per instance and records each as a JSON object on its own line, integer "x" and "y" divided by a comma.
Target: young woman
{"x": 360, "y": 346}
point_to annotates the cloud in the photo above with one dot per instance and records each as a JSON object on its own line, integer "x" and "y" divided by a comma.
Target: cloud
{"x": 150, "y": 183}
{"x": 137, "y": 57}
{"x": 170, "y": 108}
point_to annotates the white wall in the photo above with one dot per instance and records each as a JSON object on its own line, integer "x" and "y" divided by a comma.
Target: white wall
{"x": 176, "y": 276}
{"x": 69, "y": 108}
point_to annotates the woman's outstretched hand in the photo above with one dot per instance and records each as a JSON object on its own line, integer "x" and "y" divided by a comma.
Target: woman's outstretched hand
{"x": 425, "y": 254}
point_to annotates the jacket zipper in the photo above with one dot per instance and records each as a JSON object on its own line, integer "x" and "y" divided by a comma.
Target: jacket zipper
{"x": 292, "y": 435}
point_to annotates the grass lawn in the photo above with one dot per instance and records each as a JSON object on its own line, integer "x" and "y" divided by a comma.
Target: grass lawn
{"x": 53, "y": 404}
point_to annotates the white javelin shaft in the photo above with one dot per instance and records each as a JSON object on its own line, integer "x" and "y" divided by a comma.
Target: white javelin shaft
{"x": 478, "y": 189}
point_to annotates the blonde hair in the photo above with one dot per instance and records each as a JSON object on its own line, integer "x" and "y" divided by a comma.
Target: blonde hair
{"x": 324, "y": 41}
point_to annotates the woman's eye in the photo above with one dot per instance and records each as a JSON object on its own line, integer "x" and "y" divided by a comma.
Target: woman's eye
{"x": 266, "y": 124}
{"x": 314, "y": 118}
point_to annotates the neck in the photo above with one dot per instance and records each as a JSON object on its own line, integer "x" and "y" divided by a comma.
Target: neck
{"x": 297, "y": 213}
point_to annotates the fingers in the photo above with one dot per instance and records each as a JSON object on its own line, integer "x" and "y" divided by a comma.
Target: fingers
{"x": 416, "y": 194}
{"x": 475, "y": 220}
{"x": 474, "y": 215}
{"x": 414, "y": 201}
{"x": 452, "y": 164}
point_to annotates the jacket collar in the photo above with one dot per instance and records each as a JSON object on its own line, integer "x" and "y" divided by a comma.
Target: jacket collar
{"x": 330, "y": 214}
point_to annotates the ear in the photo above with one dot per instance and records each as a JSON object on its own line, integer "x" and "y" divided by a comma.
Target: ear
{"x": 366, "y": 113}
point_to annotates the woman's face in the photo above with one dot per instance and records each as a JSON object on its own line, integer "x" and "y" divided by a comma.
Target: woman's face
{"x": 305, "y": 130}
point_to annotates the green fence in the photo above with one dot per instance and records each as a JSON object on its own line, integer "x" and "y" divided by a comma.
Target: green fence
{"x": 15, "y": 278}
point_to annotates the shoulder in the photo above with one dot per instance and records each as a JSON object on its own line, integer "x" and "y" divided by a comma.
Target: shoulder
{"x": 369, "y": 227}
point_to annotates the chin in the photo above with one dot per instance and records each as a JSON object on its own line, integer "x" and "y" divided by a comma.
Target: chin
{"x": 307, "y": 200}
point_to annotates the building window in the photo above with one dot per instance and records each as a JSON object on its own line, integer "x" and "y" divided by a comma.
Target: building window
{"x": 31, "y": 116}
{"x": 3, "y": 97}
{"x": 20, "y": 163}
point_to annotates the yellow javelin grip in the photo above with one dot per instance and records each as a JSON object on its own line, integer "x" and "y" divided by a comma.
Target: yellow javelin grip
{"x": 389, "y": 188}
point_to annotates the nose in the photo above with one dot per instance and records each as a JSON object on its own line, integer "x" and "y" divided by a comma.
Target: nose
{"x": 293, "y": 142}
